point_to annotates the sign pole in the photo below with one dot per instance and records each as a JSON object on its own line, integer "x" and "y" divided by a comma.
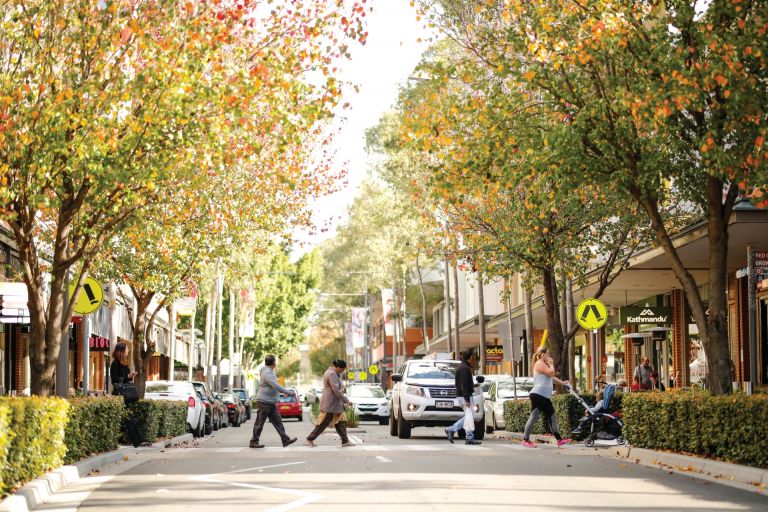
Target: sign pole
{"x": 86, "y": 355}
{"x": 752, "y": 299}
{"x": 62, "y": 364}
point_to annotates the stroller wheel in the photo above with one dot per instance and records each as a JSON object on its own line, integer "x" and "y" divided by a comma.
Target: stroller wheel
{"x": 620, "y": 440}
{"x": 589, "y": 442}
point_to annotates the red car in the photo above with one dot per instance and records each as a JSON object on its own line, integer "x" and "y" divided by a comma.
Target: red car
{"x": 289, "y": 407}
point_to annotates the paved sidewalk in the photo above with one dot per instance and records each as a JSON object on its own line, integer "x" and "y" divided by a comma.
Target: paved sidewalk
{"x": 34, "y": 493}
{"x": 734, "y": 475}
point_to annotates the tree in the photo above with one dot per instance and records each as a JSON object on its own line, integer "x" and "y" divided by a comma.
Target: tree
{"x": 662, "y": 99}
{"x": 104, "y": 102}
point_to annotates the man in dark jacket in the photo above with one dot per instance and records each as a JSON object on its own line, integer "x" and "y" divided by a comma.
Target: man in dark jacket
{"x": 465, "y": 388}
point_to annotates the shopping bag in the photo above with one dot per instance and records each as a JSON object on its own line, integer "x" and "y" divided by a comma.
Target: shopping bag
{"x": 469, "y": 421}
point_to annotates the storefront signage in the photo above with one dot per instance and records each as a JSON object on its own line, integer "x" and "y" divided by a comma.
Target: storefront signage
{"x": 646, "y": 315}
{"x": 494, "y": 354}
{"x": 99, "y": 343}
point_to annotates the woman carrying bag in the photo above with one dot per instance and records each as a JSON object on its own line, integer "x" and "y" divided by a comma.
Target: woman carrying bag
{"x": 121, "y": 375}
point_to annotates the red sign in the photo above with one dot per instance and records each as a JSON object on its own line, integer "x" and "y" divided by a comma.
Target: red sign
{"x": 99, "y": 343}
{"x": 494, "y": 354}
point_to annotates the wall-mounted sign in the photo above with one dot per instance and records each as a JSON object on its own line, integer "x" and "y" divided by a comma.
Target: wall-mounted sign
{"x": 494, "y": 354}
{"x": 99, "y": 343}
{"x": 646, "y": 315}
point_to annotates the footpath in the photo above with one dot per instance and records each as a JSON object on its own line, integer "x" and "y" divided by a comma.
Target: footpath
{"x": 724, "y": 473}
{"x": 35, "y": 493}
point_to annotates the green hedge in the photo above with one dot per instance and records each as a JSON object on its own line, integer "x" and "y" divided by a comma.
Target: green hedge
{"x": 34, "y": 438}
{"x": 95, "y": 426}
{"x": 732, "y": 427}
{"x": 567, "y": 409}
{"x": 157, "y": 419}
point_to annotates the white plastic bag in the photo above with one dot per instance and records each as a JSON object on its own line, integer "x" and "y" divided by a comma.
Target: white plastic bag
{"x": 469, "y": 420}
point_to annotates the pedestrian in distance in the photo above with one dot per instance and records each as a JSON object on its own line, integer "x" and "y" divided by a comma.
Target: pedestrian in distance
{"x": 332, "y": 405}
{"x": 268, "y": 397}
{"x": 656, "y": 384}
{"x": 119, "y": 371}
{"x": 465, "y": 387}
{"x": 643, "y": 373}
{"x": 541, "y": 397}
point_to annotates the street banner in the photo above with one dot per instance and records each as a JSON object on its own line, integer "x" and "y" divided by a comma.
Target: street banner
{"x": 358, "y": 327}
{"x": 388, "y": 306}
{"x": 246, "y": 313}
{"x": 348, "y": 336}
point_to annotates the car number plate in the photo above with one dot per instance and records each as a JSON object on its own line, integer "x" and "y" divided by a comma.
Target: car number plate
{"x": 444, "y": 404}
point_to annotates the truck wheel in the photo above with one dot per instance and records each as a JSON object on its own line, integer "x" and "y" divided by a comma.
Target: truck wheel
{"x": 403, "y": 427}
{"x": 392, "y": 424}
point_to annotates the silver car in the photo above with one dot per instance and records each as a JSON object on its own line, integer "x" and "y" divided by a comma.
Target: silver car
{"x": 499, "y": 392}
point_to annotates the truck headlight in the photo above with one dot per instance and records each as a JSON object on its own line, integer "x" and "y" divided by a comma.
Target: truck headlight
{"x": 415, "y": 390}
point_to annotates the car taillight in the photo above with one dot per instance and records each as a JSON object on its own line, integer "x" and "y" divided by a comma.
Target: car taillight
{"x": 230, "y": 406}
{"x": 191, "y": 401}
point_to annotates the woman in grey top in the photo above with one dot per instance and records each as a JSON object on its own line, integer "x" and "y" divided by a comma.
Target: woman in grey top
{"x": 332, "y": 405}
{"x": 541, "y": 397}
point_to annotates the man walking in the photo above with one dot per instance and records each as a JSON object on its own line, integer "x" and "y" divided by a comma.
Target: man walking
{"x": 465, "y": 387}
{"x": 268, "y": 397}
{"x": 332, "y": 405}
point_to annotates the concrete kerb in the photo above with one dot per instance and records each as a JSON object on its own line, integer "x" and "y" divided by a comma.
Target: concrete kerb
{"x": 725, "y": 473}
{"x": 36, "y": 492}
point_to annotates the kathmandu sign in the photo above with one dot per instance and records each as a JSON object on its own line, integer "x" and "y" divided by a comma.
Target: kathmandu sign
{"x": 646, "y": 315}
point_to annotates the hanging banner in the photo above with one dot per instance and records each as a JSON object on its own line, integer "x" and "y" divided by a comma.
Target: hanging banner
{"x": 246, "y": 314}
{"x": 348, "y": 337}
{"x": 358, "y": 327}
{"x": 388, "y": 306}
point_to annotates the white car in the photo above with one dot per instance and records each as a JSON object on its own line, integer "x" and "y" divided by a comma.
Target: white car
{"x": 489, "y": 379}
{"x": 424, "y": 395}
{"x": 370, "y": 402}
{"x": 501, "y": 391}
{"x": 182, "y": 391}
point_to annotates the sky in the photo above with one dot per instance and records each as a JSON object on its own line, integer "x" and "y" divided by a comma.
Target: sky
{"x": 389, "y": 56}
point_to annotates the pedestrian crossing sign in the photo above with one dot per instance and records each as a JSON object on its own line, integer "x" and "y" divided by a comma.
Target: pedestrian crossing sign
{"x": 591, "y": 314}
{"x": 90, "y": 298}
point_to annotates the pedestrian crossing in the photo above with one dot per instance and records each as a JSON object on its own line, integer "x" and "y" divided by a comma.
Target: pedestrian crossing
{"x": 376, "y": 447}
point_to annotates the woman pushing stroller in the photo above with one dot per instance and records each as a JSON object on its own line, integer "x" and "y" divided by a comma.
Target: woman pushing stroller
{"x": 541, "y": 397}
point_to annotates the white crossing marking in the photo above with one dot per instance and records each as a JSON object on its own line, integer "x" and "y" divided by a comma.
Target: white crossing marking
{"x": 472, "y": 448}
{"x": 356, "y": 439}
{"x": 230, "y": 450}
{"x": 381, "y": 458}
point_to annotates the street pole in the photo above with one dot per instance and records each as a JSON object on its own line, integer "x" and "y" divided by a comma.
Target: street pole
{"x": 231, "y": 347}
{"x": 62, "y": 364}
{"x": 219, "y": 305}
{"x": 86, "y": 355}
{"x": 192, "y": 344}
{"x": 481, "y": 315}
{"x": 172, "y": 342}
{"x": 447, "y": 294}
{"x": 752, "y": 299}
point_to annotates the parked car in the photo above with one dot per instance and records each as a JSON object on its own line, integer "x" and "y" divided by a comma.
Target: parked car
{"x": 370, "y": 402}
{"x": 235, "y": 409}
{"x": 215, "y": 412}
{"x": 486, "y": 386}
{"x": 289, "y": 407}
{"x": 182, "y": 391}
{"x": 313, "y": 395}
{"x": 424, "y": 395}
{"x": 243, "y": 396}
{"x": 501, "y": 391}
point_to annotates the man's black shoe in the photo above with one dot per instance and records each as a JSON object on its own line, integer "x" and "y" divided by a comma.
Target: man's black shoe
{"x": 255, "y": 445}
{"x": 290, "y": 441}
{"x": 473, "y": 441}
{"x": 449, "y": 434}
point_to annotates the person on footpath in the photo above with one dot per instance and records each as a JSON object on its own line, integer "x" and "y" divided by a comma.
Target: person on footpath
{"x": 332, "y": 405}
{"x": 119, "y": 372}
{"x": 268, "y": 397}
{"x": 541, "y": 397}
{"x": 643, "y": 374}
{"x": 465, "y": 387}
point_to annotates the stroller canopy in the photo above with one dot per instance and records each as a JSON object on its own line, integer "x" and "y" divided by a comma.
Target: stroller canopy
{"x": 607, "y": 395}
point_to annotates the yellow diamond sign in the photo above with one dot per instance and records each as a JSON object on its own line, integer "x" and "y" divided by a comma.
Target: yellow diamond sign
{"x": 591, "y": 314}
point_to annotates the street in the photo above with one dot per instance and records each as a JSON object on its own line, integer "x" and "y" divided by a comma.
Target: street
{"x": 384, "y": 473}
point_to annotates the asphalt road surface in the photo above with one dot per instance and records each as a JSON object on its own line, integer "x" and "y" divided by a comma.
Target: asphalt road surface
{"x": 382, "y": 473}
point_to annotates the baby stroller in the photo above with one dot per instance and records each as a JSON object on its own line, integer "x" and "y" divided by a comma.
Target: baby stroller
{"x": 600, "y": 425}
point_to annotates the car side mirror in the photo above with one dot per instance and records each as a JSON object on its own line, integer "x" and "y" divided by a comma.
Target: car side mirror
{"x": 397, "y": 377}
{"x": 480, "y": 379}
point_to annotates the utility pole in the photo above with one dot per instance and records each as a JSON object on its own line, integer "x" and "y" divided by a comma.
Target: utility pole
{"x": 456, "y": 312}
{"x": 447, "y": 287}
{"x": 481, "y": 315}
{"x": 230, "y": 377}
{"x": 219, "y": 293}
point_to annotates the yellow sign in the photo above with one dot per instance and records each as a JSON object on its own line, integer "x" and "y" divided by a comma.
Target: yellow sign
{"x": 373, "y": 369}
{"x": 90, "y": 298}
{"x": 591, "y": 314}
{"x": 351, "y": 375}
{"x": 362, "y": 375}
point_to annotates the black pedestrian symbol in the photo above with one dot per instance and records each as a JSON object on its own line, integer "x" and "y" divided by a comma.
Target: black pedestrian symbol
{"x": 593, "y": 309}
{"x": 89, "y": 293}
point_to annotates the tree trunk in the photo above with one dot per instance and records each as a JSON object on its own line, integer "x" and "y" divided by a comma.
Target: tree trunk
{"x": 713, "y": 328}
{"x": 141, "y": 353}
{"x": 456, "y": 304}
{"x": 551, "y": 307}
{"x": 481, "y": 314}
{"x": 424, "y": 328}
{"x": 529, "y": 334}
